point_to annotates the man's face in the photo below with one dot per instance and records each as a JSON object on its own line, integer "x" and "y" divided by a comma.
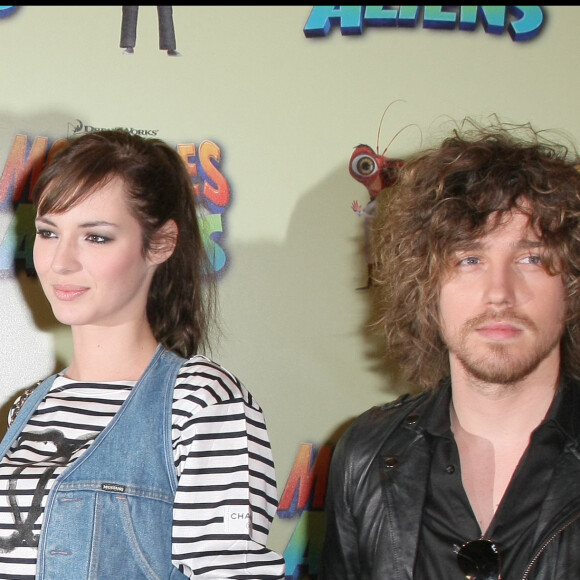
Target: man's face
{"x": 502, "y": 314}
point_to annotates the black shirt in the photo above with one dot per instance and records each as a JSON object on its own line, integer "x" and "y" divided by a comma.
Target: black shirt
{"x": 448, "y": 520}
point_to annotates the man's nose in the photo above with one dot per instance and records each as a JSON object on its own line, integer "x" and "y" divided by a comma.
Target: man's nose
{"x": 500, "y": 285}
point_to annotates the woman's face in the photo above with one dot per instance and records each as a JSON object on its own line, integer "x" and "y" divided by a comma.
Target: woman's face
{"x": 90, "y": 262}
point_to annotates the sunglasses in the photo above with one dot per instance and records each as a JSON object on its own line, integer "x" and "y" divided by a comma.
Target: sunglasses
{"x": 480, "y": 560}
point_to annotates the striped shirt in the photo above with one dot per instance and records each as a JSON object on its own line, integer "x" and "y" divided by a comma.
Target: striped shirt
{"x": 223, "y": 461}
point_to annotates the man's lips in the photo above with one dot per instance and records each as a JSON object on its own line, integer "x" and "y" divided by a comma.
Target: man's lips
{"x": 499, "y": 331}
{"x": 68, "y": 292}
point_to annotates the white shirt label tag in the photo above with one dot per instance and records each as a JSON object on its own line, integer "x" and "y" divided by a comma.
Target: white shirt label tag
{"x": 238, "y": 519}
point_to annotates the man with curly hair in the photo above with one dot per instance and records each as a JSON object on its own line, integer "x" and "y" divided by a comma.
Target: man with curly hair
{"x": 478, "y": 475}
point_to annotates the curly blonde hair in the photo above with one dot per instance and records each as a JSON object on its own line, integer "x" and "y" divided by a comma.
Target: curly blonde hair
{"x": 443, "y": 199}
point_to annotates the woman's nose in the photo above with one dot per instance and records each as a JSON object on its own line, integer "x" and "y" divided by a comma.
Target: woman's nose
{"x": 65, "y": 257}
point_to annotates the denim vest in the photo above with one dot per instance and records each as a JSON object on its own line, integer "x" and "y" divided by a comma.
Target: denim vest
{"x": 110, "y": 514}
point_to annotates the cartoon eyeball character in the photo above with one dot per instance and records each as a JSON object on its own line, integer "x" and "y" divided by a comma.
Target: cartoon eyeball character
{"x": 373, "y": 170}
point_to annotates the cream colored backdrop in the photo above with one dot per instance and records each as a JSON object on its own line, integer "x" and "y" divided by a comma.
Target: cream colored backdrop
{"x": 286, "y": 111}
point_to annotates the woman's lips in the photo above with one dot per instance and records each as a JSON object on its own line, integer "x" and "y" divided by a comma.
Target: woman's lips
{"x": 67, "y": 293}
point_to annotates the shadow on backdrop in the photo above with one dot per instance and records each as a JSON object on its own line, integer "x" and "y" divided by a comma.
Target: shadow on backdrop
{"x": 28, "y": 144}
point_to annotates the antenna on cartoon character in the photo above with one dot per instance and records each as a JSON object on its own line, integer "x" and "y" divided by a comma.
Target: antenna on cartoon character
{"x": 397, "y": 133}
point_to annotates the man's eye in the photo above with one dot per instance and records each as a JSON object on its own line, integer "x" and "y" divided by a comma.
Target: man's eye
{"x": 533, "y": 259}
{"x": 468, "y": 261}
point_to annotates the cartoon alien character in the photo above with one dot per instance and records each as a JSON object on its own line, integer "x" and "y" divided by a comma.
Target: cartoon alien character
{"x": 376, "y": 172}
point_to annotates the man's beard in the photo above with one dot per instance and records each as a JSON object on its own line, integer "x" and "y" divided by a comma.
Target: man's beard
{"x": 499, "y": 365}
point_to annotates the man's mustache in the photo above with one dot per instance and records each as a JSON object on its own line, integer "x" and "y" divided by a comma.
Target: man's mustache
{"x": 509, "y": 317}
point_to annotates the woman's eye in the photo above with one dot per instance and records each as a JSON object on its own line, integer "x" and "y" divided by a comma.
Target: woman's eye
{"x": 97, "y": 239}
{"x": 45, "y": 234}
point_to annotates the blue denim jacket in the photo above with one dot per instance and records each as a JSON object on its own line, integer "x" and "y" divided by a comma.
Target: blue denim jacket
{"x": 109, "y": 515}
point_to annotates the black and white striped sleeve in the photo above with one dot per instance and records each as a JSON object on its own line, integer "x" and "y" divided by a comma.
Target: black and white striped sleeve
{"x": 226, "y": 497}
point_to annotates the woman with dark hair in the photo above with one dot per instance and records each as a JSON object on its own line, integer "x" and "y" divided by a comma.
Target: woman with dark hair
{"x": 143, "y": 459}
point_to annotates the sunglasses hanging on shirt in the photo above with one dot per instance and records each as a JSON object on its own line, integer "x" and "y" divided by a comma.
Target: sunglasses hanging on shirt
{"x": 480, "y": 560}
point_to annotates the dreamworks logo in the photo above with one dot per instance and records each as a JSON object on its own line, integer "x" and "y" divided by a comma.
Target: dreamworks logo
{"x": 79, "y": 127}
